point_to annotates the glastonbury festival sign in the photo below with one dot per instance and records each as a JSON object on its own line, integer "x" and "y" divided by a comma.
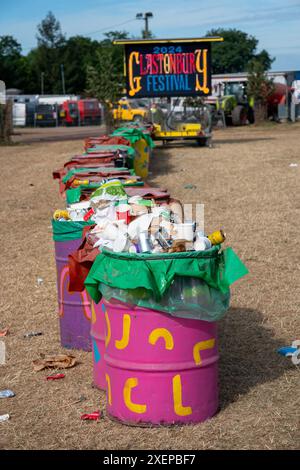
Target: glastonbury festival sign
{"x": 155, "y": 69}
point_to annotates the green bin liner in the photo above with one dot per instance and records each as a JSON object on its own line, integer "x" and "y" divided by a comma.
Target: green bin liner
{"x": 65, "y": 230}
{"x": 73, "y": 195}
{"x": 112, "y": 148}
{"x": 133, "y": 135}
{"x": 193, "y": 284}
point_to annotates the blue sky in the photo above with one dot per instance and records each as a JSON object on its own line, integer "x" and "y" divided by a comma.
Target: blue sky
{"x": 275, "y": 23}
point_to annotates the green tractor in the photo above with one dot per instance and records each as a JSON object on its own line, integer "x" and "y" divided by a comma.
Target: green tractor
{"x": 236, "y": 106}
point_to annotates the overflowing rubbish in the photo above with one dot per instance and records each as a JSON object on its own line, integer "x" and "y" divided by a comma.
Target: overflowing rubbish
{"x": 127, "y": 228}
{"x": 61, "y": 361}
{"x": 135, "y": 224}
{"x": 7, "y": 394}
{"x": 91, "y": 416}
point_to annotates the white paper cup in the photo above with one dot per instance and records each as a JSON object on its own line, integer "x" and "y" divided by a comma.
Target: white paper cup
{"x": 184, "y": 231}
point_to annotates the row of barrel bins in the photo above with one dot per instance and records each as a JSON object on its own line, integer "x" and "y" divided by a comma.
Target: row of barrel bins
{"x": 154, "y": 368}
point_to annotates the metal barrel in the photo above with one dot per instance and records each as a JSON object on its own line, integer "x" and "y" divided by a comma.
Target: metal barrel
{"x": 160, "y": 370}
{"x": 142, "y": 158}
{"x": 74, "y": 307}
{"x": 98, "y": 344}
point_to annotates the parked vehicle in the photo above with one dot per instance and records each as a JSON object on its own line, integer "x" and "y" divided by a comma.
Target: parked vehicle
{"x": 69, "y": 113}
{"x": 56, "y": 99}
{"x": 30, "y": 112}
{"x": 89, "y": 111}
{"x": 80, "y": 112}
{"x": 229, "y": 101}
{"x": 237, "y": 107}
{"x": 188, "y": 123}
{"x": 19, "y": 114}
{"x": 129, "y": 110}
{"x": 45, "y": 115}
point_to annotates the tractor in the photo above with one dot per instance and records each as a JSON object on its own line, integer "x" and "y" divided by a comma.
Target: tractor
{"x": 238, "y": 109}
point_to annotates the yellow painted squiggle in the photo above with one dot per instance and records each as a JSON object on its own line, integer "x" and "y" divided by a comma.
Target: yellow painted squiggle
{"x": 179, "y": 409}
{"x": 134, "y": 407}
{"x": 162, "y": 333}
{"x": 201, "y": 346}
{"x": 107, "y": 377}
{"x": 123, "y": 342}
{"x": 108, "y": 330}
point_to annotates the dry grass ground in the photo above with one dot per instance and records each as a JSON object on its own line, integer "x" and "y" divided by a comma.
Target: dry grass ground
{"x": 248, "y": 187}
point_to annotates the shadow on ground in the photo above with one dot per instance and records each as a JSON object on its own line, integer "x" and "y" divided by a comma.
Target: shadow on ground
{"x": 248, "y": 354}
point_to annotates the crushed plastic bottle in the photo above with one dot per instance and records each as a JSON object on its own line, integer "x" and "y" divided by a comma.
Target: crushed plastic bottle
{"x": 7, "y": 394}
{"x": 4, "y": 418}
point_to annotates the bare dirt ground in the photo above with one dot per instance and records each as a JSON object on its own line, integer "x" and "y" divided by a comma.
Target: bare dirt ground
{"x": 247, "y": 187}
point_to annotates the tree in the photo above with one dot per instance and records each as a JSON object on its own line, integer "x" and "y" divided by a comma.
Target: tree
{"x": 78, "y": 52}
{"x": 105, "y": 79}
{"x": 12, "y": 64}
{"x": 6, "y": 122}
{"x": 117, "y": 52}
{"x": 48, "y": 56}
{"x": 105, "y": 83}
{"x": 111, "y": 36}
{"x": 260, "y": 88}
{"x": 236, "y": 51}
{"x": 49, "y": 32}
{"x": 264, "y": 59}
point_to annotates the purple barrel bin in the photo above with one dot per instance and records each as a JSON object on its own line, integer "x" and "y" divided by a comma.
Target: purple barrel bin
{"x": 74, "y": 307}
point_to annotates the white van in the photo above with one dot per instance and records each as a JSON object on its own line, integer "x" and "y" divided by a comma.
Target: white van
{"x": 19, "y": 114}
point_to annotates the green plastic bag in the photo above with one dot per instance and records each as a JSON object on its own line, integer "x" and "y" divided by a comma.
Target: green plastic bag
{"x": 133, "y": 135}
{"x": 151, "y": 280}
{"x": 73, "y": 195}
{"x": 113, "y": 148}
{"x": 187, "y": 297}
{"x": 110, "y": 190}
{"x": 65, "y": 230}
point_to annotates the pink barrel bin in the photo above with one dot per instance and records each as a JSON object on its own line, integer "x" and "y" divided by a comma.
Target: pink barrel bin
{"x": 98, "y": 344}
{"x": 160, "y": 370}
